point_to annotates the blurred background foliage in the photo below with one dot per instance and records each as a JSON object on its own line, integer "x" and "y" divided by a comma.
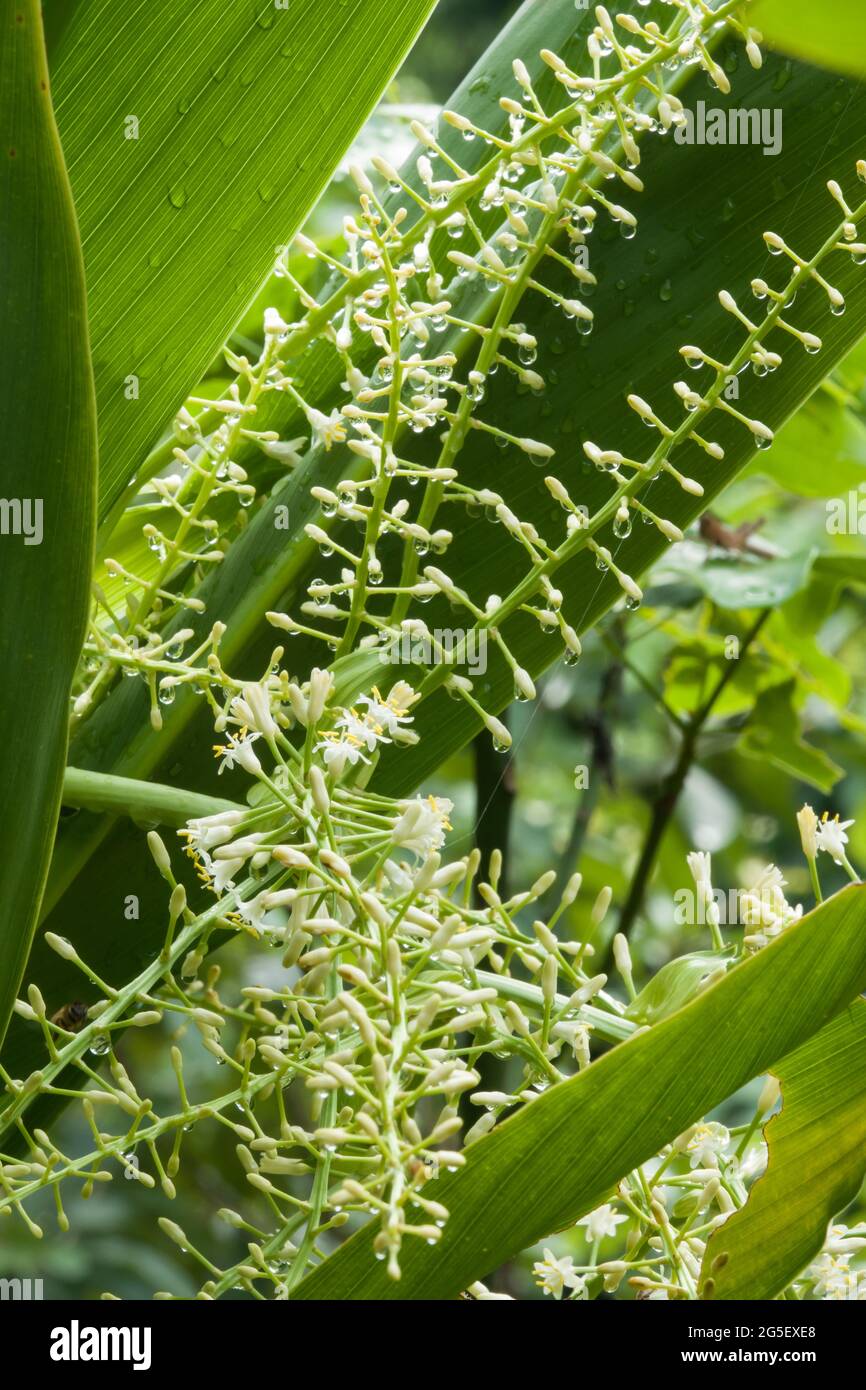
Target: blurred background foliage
{"x": 702, "y": 721}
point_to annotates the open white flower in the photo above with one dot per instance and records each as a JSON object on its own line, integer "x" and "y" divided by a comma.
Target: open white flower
{"x": 555, "y": 1275}
{"x": 329, "y": 429}
{"x": 338, "y": 749}
{"x": 254, "y": 911}
{"x": 222, "y": 871}
{"x": 831, "y": 838}
{"x": 287, "y": 451}
{"x": 764, "y": 906}
{"x": 705, "y": 1143}
{"x": 238, "y": 752}
{"x": 846, "y": 1240}
{"x": 834, "y": 1281}
{"x": 602, "y": 1222}
{"x": 205, "y": 832}
{"x": 387, "y": 715}
{"x": 423, "y": 824}
{"x": 364, "y": 732}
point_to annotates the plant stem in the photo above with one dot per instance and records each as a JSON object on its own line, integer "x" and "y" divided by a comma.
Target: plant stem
{"x": 149, "y": 802}
{"x": 669, "y": 794}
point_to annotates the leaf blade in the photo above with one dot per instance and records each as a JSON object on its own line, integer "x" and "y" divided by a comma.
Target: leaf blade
{"x": 816, "y": 1164}
{"x": 577, "y": 1140}
{"x": 48, "y": 408}
{"x": 832, "y": 34}
{"x": 182, "y": 213}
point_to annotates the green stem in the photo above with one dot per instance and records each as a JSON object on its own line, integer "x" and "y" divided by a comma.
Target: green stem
{"x": 148, "y": 802}
{"x": 669, "y": 795}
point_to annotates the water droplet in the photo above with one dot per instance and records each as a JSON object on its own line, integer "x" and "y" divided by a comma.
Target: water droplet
{"x": 177, "y": 195}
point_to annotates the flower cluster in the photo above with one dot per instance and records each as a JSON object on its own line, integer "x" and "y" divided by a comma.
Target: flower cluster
{"x": 400, "y": 317}
{"x": 397, "y": 971}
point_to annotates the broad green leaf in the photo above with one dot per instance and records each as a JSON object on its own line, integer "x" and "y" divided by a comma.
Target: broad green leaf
{"x": 817, "y": 1157}
{"x": 691, "y": 676}
{"x": 791, "y": 647}
{"x": 773, "y": 734}
{"x": 820, "y": 453}
{"x": 831, "y": 32}
{"x": 47, "y": 477}
{"x": 747, "y": 581}
{"x": 198, "y": 137}
{"x": 569, "y": 1148}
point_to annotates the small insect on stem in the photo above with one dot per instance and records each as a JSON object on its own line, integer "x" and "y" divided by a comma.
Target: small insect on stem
{"x": 71, "y": 1017}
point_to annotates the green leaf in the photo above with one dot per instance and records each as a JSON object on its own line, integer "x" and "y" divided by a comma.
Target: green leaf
{"x": 817, "y": 1157}
{"x": 774, "y": 734}
{"x": 242, "y": 112}
{"x": 832, "y": 32}
{"x": 695, "y": 669}
{"x": 570, "y": 1147}
{"x": 791, "y": 647}
{"x": 745, "y": 581}
{"x": 738, "y": 581}
{"x": 823, "y": 430}
{"x": 47, "y": 477}
{"x": 676, "y": 984}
